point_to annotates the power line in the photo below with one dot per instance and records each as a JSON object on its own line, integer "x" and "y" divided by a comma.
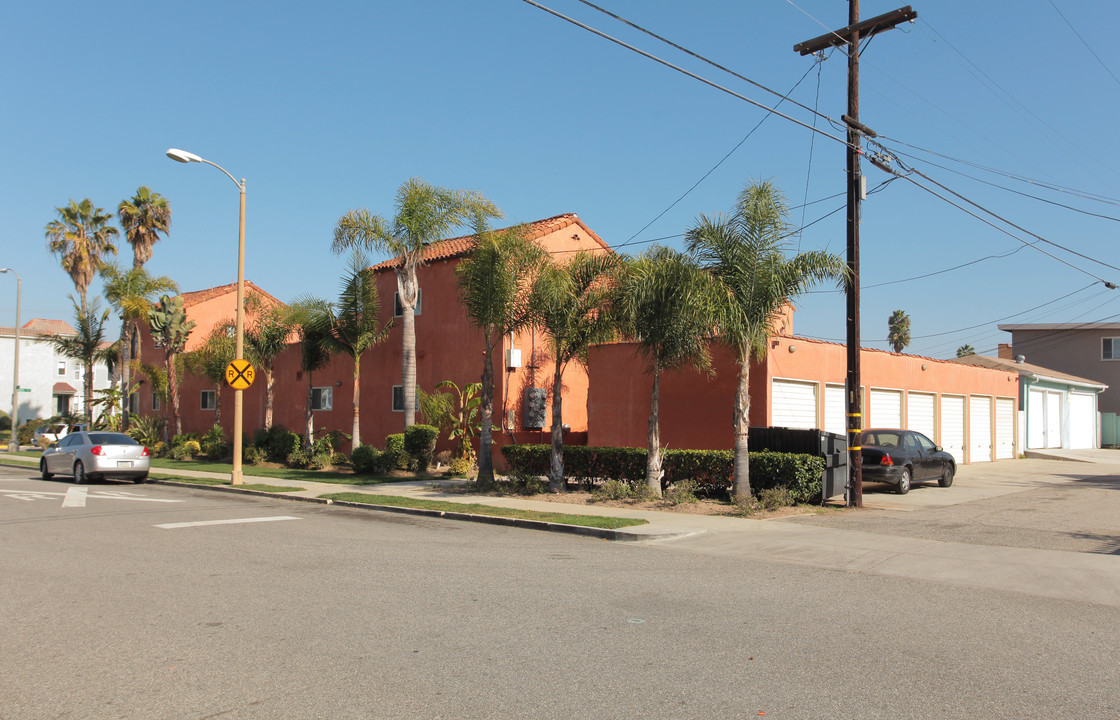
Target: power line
{"x": 681, "y": 70}
{"x": 1093, "y": 52}
{"x": 812, "y": 145}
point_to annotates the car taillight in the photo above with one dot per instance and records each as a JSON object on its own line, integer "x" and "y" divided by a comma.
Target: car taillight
{"x": 886, "y": 460}
{"x": 97, "y": 450}
{"x": 144, "y": 452}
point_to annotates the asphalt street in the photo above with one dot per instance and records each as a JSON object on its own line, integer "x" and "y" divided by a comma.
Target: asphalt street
{"x": 140, "y": 601}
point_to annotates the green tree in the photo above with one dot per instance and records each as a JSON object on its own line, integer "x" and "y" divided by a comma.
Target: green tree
{"x": 87, "y": 346}
{"x": 898, "y": 330}
{"x": 350, "y": 325}
{"x": 266, "y": 336}
{"x": 455, "y": 413}
{"x": 424, "y": 215}
{"x": 170, "y": 331}
{"x": 131, "y": 293}
{"x": 210, "y": 359}
{"x": 570, "y": 302}
{"x": 965, "y": 350}
{"x": 143, "y": 217}
{"x": 81, "y": 236}
{"x": 494, "y": 282}
{"x": 745, "y": 255}
{"x": 666, "y": 304}
{"x": 315, "y": 353}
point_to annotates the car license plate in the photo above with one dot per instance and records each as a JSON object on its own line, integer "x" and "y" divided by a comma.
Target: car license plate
{"x": 124, "y": 463}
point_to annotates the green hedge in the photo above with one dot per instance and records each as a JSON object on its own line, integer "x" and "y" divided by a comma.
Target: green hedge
{"x": 711, "y": 469}
{"x": 420, "y": 444}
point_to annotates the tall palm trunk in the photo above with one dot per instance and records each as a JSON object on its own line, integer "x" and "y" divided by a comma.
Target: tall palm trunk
{"x": 87, "y": 387}
{"x": 407, "y": 292}
{"x": 267, "y": 372}
{"x": 556, "y": 461}
{"x": 742, "y": 479}
{"x": 218, "y": 404}
{"x": 126, "y": 371}
{"x": 486, "y": 418}
{"x": 653, "y": 453}
{"x": 355, "y": 435}
{"x": 173, "y": 391}
{"x": 308, "y": 414}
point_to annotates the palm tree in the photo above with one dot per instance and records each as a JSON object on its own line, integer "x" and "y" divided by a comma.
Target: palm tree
{"x": 351, "y": 325}
{"x": 131, "y": 293}
{"x": 170, "y": 330}
{"x": 143, "y": 218}
{"x": 265, "y": 338}
{"x": 570, "y": 302}
{"x": 965, "y": 350}
{"x": 210, "y": 359}
{"x": 745, "y": 254}
{"x": 81, "y": 236}
{"x": 494, "y": 287}
{"x": 87, "y": 347}
{"x": 898, "y": 330}
{"x": 314, "y": 355}
{"x": 424, "y": 214}
{"x": 665, "y": 303}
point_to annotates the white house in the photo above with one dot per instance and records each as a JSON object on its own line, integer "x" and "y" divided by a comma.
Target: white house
{"x": 50, "y": 383}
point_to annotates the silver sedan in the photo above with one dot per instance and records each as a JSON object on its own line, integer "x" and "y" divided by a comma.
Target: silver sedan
{"x": 85, "y": 455}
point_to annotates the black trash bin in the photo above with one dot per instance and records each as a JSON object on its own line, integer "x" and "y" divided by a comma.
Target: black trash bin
{"x": 831, "y": 446}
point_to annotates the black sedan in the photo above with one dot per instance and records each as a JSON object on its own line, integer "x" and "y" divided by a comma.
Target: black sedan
{"x": 904, "y": 457}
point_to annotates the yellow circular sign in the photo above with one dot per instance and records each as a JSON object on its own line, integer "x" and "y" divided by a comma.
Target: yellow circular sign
{"x": 240, "y": 374}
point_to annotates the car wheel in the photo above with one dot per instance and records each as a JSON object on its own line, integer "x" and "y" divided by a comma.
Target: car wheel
{"x": 142, "y": 479}
{"x": 43, "y": 470}
{"x": 946, "y": 478}
{"x": 903, "y": 486}
{"x": 79, "y": 473}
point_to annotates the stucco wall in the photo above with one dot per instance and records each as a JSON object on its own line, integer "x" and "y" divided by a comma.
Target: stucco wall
{"x": 1076, "y": 352}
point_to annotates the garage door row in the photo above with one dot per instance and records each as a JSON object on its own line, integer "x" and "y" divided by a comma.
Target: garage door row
{"x": 973, "y": 428}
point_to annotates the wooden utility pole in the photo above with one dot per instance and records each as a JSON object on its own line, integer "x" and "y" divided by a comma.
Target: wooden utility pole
{"x": 850, "y": 36}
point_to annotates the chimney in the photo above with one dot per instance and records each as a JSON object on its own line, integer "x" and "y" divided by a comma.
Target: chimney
{"x": 1005, "y": 352}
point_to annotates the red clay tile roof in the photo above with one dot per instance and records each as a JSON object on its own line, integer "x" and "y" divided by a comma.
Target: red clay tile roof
{"x": 1025, "y": 368}
{"x": 198, "y": 296}
{"x": 61, "y": 388}
{"x": 40, "y": 326}
{"x": 460, "y": 246}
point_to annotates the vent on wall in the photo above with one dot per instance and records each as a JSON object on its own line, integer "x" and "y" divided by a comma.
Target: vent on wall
{"x": 535, "y": 399}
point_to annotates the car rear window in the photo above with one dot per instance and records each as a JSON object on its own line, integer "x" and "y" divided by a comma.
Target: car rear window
{"x": 111, "y": 439}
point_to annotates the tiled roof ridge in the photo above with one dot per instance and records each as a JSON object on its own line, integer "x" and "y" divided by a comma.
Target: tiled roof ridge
{"x": 198, "y": 296}
{"x": 461, "y": 245}
{"x": 41, "y": 327}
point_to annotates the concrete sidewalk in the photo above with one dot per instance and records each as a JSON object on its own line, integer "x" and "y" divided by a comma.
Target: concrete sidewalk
{"x": 1076, "y": 576}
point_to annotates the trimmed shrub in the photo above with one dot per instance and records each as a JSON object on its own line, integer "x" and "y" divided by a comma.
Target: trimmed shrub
{"x": 319, "y": 460}
{"x": 296, "y": 459}
{"x": 420, "y": 444}
{"x": 260, "y": 439}
{"x": 459, "y": 467}
{"x": 681, "y": 492}
{"x": 160, "y": 449}
{"x": 185, "y": 449}
{"x": 394, "y": 448}
{"x": 251, "y": 454}
{"x": 339, "y": 458}
{"x": 282, "y": 443}
{"x": 799, "y": 474}
{"x": 183, "y": 439}
{"x": 366, "y": 459}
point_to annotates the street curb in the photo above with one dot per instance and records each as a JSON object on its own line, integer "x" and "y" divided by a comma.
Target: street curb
{"x": 601, "y": 533}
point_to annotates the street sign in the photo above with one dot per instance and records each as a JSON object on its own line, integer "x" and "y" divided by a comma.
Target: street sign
{"x": 25, "y": 389}
{"x": 240, "y": 374}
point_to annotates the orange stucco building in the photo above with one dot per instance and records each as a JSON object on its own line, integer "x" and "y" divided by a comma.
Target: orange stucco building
{"x": 971, "y": 411}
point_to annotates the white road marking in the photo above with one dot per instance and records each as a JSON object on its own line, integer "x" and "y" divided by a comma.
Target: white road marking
{"x": 174, "y": 526}
{"x": 75, "y": 497}
{"x": 70, "y": 500}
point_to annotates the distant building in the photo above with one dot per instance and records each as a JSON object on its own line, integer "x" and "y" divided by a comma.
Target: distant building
{"x": 51, "y": 382}
{"x": 1085, "y": 350}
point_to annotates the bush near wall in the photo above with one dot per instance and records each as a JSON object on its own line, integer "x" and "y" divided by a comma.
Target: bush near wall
{"x": 711, "y": 469}
{"x": 420, "y": 444}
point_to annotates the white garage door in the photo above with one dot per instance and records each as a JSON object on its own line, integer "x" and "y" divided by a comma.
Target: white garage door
{"x": 980, "y": 429}
{"x": 835, "y": 409}
{"x": 1082, "y": 420}
{"x": 886, "y": 409}
{"x": 1053, "y": 419}
{"x": 952, "y": 426}
{"x": 1005, "y": 428}
{"x": 920, "y": 414}
{"x": 795, "y": 404}
{"x": 1036, "y": 419}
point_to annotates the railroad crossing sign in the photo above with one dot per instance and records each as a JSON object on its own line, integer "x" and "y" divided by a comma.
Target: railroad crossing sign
{"x": 240, "y": 374}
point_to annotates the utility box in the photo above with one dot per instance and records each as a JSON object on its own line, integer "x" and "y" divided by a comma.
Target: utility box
{"x": 513, "y": 358}
{"x": 833, "y": 447}
{"x": 535, "y": 401}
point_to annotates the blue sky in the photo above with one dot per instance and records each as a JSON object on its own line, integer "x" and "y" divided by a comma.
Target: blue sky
{"x": 330, "y": 106}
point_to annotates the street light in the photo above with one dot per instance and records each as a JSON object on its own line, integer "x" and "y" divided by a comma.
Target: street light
{"x": 13, "y": 443}
{"x": 187, "y": 157}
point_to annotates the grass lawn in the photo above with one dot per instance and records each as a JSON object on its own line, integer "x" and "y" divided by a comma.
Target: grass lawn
{"x": 324, "y": 476}
{"x": 476, "y": 509}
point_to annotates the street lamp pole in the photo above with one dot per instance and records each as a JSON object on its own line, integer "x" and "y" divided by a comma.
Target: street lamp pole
{"x": 13, "y": 443}
{"x": 238, "y": 399}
